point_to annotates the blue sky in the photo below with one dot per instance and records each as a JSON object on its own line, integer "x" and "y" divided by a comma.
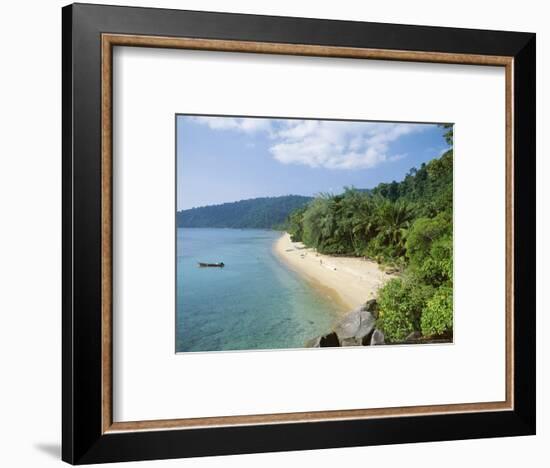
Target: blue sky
{"x": 225, "y": 159}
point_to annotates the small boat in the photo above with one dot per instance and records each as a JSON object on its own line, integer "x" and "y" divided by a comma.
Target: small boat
{"x": 218, "y": 265}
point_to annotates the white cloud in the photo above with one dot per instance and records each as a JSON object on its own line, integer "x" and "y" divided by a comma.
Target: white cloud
{"x": 323, "y": 143}
{"x": 239, "y": 124}
{"x": 397, "y": 157}
{"x": 337, "y": 144}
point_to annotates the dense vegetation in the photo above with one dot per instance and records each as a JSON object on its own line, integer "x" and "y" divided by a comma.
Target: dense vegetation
{"x": 256, "y": 213}
{"x": 405, "y": 224}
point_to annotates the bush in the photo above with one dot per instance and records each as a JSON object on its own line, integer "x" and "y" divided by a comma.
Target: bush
{"x": 437, "y": 267}
{"x": 382, "y": 252}
{"x": 401, "y": 305}
{"x": 430, "y": 249}
{"x": 295, "y": 224}
{"x": 437, "y": 318}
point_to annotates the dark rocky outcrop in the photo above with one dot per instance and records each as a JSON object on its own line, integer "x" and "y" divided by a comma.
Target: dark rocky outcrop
{"x": 314, "y": 342}
{"x": 368, "y": 322}
{"x": 377, "y": 338}
{"x": 358, "y": 328}
{"x": 413, "y": 336}
{"x": 366, "y": 339}
{"x": 347, "y": 327}
{"x": 372, "y": 306}
{"x": 350, "y": 342}
{"x": 354, "y": 327}
{"x": 329, "y": 340}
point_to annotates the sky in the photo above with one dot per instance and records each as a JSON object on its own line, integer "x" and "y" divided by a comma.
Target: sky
{"x": 226, "y": 159}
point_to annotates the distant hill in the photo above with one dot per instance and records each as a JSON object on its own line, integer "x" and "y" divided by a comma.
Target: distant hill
{"x": 256, "y": 213}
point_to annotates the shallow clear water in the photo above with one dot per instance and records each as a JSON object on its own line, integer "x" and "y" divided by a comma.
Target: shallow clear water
{"x": 255, "y": 302}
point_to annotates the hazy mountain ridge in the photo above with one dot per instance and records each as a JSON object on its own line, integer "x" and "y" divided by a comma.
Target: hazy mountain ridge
{"x": 254, "y": 213}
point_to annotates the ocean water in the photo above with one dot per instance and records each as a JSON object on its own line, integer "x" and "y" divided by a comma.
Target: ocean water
{"x": 255, "y": 302}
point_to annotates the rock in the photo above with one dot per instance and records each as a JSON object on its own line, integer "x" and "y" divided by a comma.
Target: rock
{"x": 314, "y": 342}
{"x": 330, "y": 340}
{"x": 355, "y": 326}
{"x": 366, "y": 339}
{"x": 371, "y": 306}
{"x": 415, "y": 335}
{"x": 377, "y": 338}
{"x": 349, "y": 325}
{"x": 350, "y": 342}
{"x": 367, "y": 324}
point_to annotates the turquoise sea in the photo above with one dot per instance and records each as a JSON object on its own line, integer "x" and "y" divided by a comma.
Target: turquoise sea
{"x": 255, "y": 302}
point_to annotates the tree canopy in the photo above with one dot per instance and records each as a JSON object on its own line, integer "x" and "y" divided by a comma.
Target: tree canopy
{"x": 255, "y": 213}
{"x": 407, "y": 224}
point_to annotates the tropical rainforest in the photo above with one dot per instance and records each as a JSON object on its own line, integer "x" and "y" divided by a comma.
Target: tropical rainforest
{"x": 256, "y": 213}
{"x": 405, "y": 225}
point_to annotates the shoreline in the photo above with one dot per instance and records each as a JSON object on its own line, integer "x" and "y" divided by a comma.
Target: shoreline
{"x": 351, "y": 281}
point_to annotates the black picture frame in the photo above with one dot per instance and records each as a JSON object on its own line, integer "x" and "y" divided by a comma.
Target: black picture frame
{"x": 84, "y": 441}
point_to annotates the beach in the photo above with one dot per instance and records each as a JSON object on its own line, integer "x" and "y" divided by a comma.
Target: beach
{"x": 350, "y": 280}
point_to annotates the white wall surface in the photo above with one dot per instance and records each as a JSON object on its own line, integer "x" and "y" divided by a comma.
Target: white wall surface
{"x": 30, "y": 234}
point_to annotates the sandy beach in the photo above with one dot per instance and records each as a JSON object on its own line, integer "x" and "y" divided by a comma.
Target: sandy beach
{"x": 351, "y": 281}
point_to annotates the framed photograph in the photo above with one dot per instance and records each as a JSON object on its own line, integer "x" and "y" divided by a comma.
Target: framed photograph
{"x": 331, "y": 267}
{"x": 289, "y": 233}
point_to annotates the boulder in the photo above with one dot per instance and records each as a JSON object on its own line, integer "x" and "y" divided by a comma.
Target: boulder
{"x": 314, "y": 342}
{"x": 366, "y": 326}
{"x": 355, "y": 326}
{"x": 329, "y": 340}
{"x": 351, "y": 342}
{"x": 349, "y": 325}
{"x": 366, "y": 339}
{"x": 371, "y": 306}
{"x": 377, "y": 338}
{"x": 414, "y": 336}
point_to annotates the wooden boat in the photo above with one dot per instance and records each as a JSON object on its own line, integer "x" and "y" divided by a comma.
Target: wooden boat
{"x": 218, "y": 265}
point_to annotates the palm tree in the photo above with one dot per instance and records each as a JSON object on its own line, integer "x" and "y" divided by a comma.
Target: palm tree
{"x": 364, "y": 222}
{"x": 316, "y": 222}
{"x": 394, "y": 220}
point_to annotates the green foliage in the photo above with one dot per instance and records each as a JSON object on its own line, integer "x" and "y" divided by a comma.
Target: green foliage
{"x": 378, "y": 222}
{"x": 316, "y": 221}
{"x": 437, "y": 318}
{"x": 401, "y": 304}
{"x": 393, "y": 220}
{"x": 257, "y": 213}
{"x": 430, "y": 249}
{"x": 430, "y": 187}
{"x": 448, "y": 135}
{"x": 295, "y": 224}
{"x": 408, "y": 224}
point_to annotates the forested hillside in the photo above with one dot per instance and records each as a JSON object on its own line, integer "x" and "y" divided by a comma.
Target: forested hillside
{"x": 256, "y": 213}
{"x": 407, "y": 224}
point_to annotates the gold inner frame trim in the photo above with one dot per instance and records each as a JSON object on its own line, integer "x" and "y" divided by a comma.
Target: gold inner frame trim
{"x": 108, "y": 41}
